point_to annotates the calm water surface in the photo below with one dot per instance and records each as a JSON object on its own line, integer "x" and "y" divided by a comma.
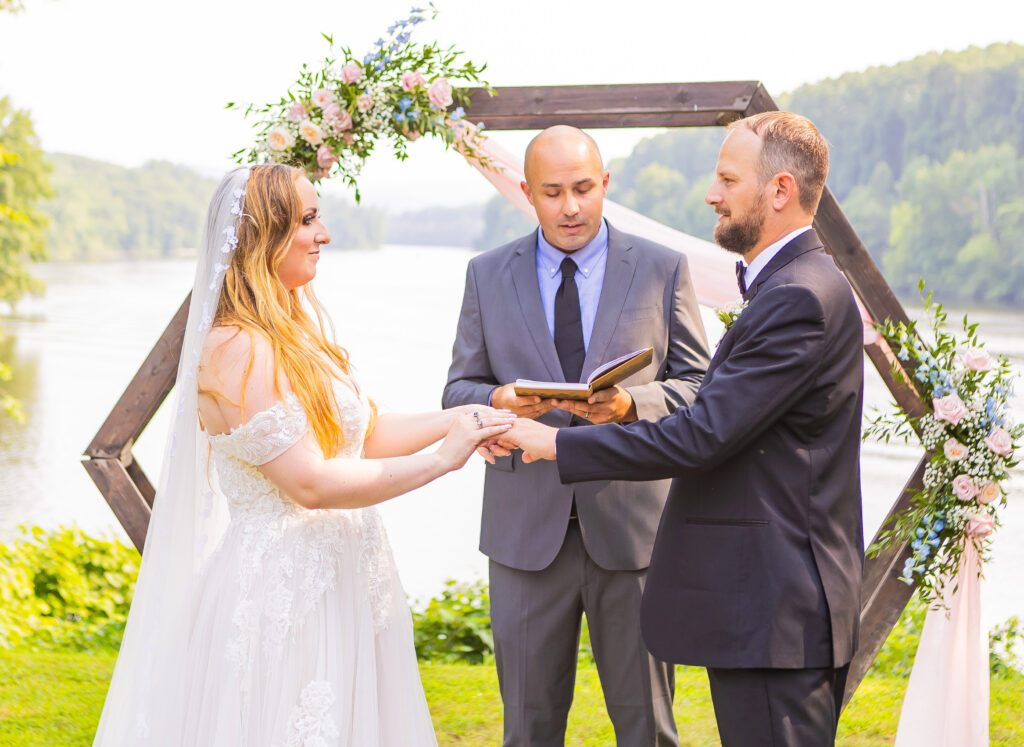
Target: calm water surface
{"x": 395, "y": 310}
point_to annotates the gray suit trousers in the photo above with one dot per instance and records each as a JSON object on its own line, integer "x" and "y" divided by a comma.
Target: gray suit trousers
{"x": 536, "y": 619}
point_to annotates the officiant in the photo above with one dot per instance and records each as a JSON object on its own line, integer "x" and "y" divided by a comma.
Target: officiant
{"x": 553, "y": 306}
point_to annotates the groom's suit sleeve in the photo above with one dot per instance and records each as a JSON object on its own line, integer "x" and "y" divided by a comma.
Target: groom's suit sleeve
{"x": 778, "y": 348}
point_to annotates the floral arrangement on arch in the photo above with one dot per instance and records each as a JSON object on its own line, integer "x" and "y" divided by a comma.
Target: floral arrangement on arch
{"x": 970, "y": 439}
{"x": 332, "y": 118}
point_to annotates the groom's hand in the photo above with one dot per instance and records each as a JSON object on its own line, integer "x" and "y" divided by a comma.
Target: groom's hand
{"x": 505, "y": 398}
{"x": 535, "y": 439}
{"x": 612, "y": 405}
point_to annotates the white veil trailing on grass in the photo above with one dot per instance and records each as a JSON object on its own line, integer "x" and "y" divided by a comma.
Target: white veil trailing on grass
{"x": 143, "y": 705}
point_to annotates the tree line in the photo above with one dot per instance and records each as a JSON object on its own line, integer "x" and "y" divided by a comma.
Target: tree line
{"x": 927, "y": 162}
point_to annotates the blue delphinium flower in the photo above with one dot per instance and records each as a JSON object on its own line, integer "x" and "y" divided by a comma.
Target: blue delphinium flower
{"x": 399, "y": 116}
{"x": 403, "y": 37}
{"x": 458, "y": 114}
{"x": 404, "y": 103}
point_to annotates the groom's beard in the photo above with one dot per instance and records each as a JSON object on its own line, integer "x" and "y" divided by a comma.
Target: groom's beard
{"x": 740, "y": 235}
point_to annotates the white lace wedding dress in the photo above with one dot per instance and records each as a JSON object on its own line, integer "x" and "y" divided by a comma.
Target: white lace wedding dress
{"x": 302, "y": 634}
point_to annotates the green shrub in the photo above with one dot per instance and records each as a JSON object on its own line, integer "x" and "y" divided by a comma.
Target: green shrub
{"x": 62, "y": 589}
{"x": 455, "y": 626}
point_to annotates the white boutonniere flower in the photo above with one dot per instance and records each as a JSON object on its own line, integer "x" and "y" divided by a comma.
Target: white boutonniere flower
{"x": 730, "y": 314}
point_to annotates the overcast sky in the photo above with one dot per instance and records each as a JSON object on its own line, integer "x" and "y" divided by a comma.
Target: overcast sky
{"x": 132, "y": 80}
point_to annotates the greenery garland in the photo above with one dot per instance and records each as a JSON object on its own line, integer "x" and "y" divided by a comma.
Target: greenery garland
{"x": 969, "y": 439}
{"x": 331, "y": 120}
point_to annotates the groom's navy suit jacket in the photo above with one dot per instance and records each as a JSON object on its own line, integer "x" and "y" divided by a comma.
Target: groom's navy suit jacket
{"x": 758, "y": 558}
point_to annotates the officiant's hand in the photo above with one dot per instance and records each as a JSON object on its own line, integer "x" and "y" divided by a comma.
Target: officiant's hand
{"x": 505, "y": 398}
{"x": 612, "y": 405}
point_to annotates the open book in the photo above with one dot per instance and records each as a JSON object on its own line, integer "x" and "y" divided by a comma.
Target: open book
{"x": 604, "y": 376}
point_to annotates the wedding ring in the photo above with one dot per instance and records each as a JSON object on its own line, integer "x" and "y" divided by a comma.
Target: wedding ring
{"x": 479, "y": 422}
{"x": 587, "y": 414}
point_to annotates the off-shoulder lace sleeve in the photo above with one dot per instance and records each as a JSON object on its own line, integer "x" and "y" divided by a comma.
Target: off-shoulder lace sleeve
{"x": 267, "y": 434}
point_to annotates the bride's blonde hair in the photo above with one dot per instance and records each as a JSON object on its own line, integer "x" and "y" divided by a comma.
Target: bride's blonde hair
{"x": 255, "y": 300}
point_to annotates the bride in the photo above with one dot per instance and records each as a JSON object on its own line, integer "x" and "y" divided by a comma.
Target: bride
{"x": 268, "y": 610}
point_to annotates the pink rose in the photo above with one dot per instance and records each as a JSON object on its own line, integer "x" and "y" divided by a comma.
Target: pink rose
{"x": 351, "y": 73}
{"x": 325, "y": 157}
{"x": 412, "y": 135}
{"x": 321, "y": 174}
{"x": 332, "y": 110}
{"x": 349, "y": 138}
{"x": 988, "y": 493}
{"x": 964, "y": 487}
{"x": 364, "y": 102}
{"x": 296, "y": 112}
{"x": 977, "y": 359}
{"x": 980, "y": 525}
{"x": 950, "y": 408}
{"x": 342, "y": 122}
{"x": 409, "y": 81}
{"x": 954, "y": 450}
{"x": 440, "y": 93}
{"x": 999, "y": 441}
{"x": 321, "y": 98}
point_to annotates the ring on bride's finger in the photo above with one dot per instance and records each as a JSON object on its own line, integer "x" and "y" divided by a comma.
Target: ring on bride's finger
{"x": 479, "y": 422}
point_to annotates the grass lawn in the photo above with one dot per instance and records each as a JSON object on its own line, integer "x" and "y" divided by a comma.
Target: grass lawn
{"x": 54, "y": 700}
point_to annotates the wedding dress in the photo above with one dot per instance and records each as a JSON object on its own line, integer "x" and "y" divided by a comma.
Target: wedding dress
{"x": 256, "y": 622}
{"x": 301, "y": 634}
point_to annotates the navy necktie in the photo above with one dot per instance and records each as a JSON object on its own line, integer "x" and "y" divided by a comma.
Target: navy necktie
{"x": 741, "y": 271}
{"x": 569, "y": 324}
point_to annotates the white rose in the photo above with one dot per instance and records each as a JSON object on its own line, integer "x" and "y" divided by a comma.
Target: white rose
{"x": 954, "y": 450}
{"x": 988, "y": 493}
{"x": 311, "y": 132}
{"x": 279, "y": 138}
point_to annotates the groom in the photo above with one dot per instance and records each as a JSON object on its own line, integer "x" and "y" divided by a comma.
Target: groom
{"x": 554, "y": 305}
{"x": 756, "y": 569}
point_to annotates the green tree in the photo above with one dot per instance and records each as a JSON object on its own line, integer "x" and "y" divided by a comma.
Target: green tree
{"x": 24, "y": 181}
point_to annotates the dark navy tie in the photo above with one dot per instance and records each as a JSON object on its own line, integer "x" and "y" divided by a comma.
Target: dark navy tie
{"x": 741, "y": 271}
{"x": 569, "y": 324}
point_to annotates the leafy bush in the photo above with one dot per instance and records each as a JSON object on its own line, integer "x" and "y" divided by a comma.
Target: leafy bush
{"x": 455, "y": 626}
{"x": 62, "y": 589}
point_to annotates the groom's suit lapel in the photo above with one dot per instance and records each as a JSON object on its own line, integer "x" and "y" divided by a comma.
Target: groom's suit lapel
{"x": 524, "y": 279}
{"x": 805, "y": 242}
{"x": 618, "y": 276}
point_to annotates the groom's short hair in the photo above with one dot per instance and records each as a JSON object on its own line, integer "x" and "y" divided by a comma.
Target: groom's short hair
{"x": 791, "y": 142}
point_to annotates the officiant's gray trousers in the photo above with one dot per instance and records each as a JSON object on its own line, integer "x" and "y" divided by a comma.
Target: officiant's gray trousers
{"x": 535, "y": 616}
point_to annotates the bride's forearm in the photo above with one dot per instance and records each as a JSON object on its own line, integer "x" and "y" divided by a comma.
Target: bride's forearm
{"x": 397, "y": 434}
{"x": 355, "y": 483}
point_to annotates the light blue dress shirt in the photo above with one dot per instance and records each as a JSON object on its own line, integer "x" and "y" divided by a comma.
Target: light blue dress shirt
{"x": 591, "y": 262}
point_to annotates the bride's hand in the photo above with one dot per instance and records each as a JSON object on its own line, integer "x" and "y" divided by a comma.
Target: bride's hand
{"x": 471, "y": 427}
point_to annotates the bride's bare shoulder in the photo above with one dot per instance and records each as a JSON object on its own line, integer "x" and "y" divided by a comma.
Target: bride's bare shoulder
{"x": 234, "y": 360}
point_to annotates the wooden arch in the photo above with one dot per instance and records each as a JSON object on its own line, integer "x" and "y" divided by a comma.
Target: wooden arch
{"x": 109, "y": 461}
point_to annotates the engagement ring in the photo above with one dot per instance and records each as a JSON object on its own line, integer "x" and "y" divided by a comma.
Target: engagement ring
{"x": 479, "y": 422}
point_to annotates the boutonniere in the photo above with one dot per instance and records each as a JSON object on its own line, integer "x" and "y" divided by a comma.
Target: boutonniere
{"x": 730, "y": 314}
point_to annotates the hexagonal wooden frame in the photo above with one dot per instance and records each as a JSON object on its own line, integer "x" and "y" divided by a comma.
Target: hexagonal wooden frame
{"x": 124, "y": 485}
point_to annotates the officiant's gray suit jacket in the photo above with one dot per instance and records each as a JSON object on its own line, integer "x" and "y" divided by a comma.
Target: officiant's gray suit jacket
{"x": 647, "y": 300}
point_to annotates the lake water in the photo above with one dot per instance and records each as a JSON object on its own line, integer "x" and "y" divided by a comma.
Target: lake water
{"x": 395, "y": 310}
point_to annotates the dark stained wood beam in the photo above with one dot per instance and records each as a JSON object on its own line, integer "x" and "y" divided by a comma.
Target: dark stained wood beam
{"x": 121, "y": 492}
{"x": 884, "y": 595}
{"x": 603, "y": 106}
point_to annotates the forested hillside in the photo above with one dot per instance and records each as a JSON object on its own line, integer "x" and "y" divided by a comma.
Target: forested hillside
{"x": 927, "y": 162}
{"x": 103, "y": 211}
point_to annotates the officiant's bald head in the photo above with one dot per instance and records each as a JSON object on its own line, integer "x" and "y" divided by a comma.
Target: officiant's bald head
{"x": 566, "y": 184}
